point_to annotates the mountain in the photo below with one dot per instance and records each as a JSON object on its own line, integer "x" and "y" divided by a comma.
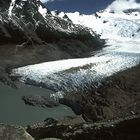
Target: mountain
{"x": 21, "y": 20}
{"x": 94, "y": 86}
{"x": 108, "y": 24}
{"x": 30, "y": 34}
{"x": 71, "y": 35}
{"x": 121, "y": 32}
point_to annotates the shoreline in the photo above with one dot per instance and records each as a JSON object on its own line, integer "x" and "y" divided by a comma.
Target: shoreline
{"x": 15, "y": 111}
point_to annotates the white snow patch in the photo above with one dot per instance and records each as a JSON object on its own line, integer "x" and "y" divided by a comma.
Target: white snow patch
{"x": 12, "y": 4}
{"x": 53, "y": 13}
{"x": 62, "y": 14}
{"x": 43, "y": 11}
{"x": 119, "y": 5}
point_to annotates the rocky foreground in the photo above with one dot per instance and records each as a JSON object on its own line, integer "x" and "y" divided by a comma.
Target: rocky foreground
{"x": 111, "y": 111}
{"x": 74, "y": 129}
{"x": 120, "y": 129}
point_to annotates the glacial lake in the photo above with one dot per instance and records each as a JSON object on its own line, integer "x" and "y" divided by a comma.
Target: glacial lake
{"x": 14, "y": 111}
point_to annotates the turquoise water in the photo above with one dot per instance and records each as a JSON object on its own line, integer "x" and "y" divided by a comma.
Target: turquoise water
{"x": 14, "y": 111}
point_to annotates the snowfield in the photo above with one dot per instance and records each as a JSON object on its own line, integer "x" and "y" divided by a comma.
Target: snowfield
{"x": 122, "y": 33}
{"x": 110, "y": 24}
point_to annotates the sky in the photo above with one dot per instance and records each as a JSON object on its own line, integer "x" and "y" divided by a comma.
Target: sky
{"x": 88, "y": 6}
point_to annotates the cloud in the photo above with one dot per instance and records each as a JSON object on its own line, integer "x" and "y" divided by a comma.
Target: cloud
{"x": 120, "y": 5}
{"x": 50, "y": 0}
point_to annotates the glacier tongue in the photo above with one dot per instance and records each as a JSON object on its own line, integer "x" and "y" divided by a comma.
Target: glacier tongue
{"x": 78, "y": 74}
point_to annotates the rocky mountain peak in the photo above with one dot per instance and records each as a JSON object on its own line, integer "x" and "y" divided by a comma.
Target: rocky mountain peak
{"x": 23, "y": 7}
{"x": 24, "y": 19}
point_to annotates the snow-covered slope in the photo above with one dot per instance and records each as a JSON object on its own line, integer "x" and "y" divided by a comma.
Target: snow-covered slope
{"x": 109, "y": 24}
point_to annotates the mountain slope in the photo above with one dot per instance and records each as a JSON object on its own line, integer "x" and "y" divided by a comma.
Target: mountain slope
{"x": 20, "y": 20}
{"x": 108, "y": 23}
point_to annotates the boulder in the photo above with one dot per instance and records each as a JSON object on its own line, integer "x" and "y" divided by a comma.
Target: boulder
{"x": 11, "y": 132}
{"x": 41, "y": 101}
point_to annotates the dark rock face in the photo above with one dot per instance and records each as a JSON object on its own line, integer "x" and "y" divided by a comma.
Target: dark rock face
{"x": 117, "y": 96}
{"x": 5, "y": 78}
{"x": 4, "y": 5}
{"x": 129, "y": 11}
{"x": 90, "y": 106}
{"x": 40, "y": 101}
{"x": 9, "y": 132}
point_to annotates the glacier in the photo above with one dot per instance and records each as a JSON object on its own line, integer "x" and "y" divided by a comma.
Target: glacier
{"x": 121, "y": 32}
